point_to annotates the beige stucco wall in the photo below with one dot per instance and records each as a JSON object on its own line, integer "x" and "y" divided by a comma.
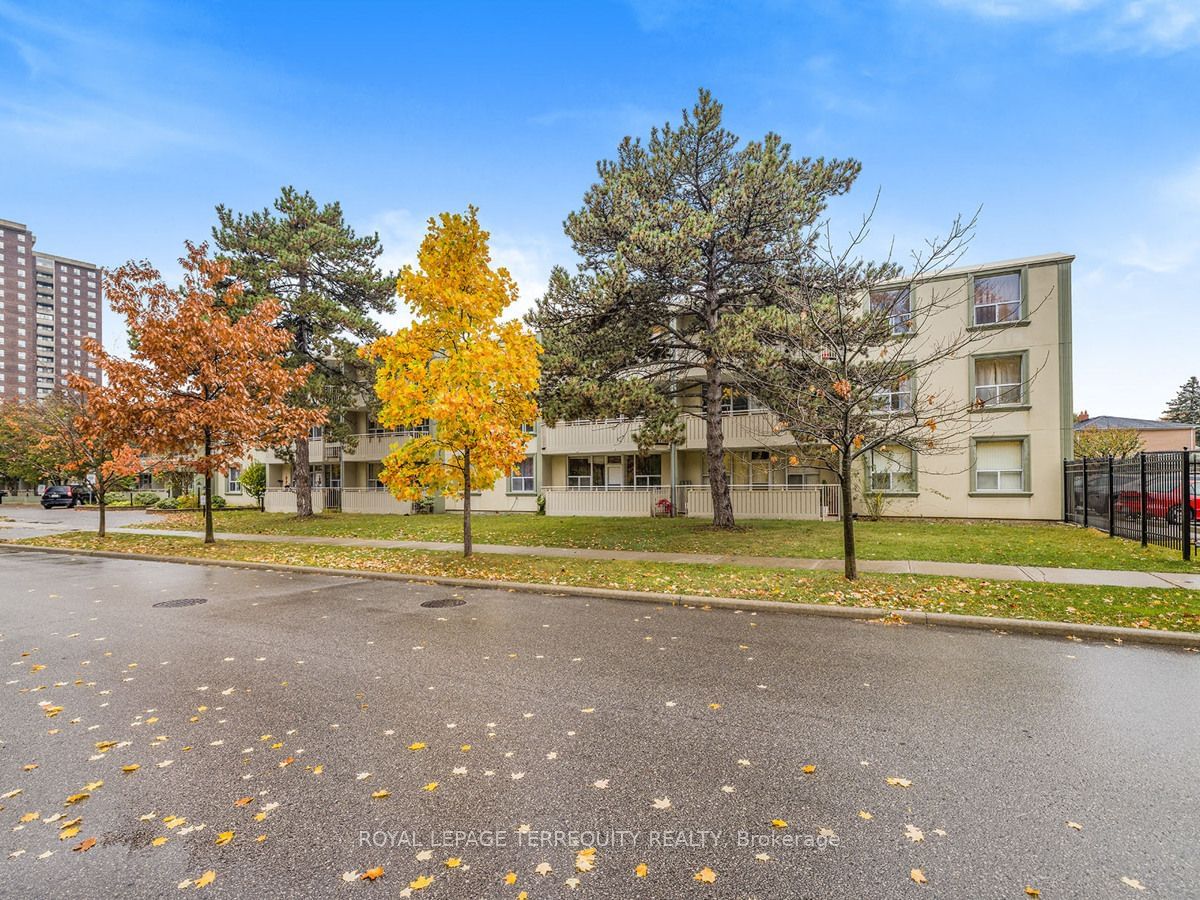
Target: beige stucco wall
{"x": 1182, "y": 438}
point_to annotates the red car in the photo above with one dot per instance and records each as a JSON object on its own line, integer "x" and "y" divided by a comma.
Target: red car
{"x": 1163, "y": 501}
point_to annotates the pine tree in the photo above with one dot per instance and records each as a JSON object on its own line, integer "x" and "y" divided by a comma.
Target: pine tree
{"x": 329, "y": 285}
{"x": 676, "y": 235}
{"x": 1186, "y": 405}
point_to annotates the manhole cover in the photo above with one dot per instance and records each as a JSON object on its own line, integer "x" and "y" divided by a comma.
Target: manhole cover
{"x": 443, "y": 601}
{"x": 182, "y": 601}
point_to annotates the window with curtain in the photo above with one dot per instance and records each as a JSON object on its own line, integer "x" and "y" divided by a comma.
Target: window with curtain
{"x": 233, "y": 481}
{"x": 1000, "y": 466}
{"x": 892, "y": 470}
{"x": 644, "y": 471}
{"x": 998, "y": 299}
{"x": 998, "y": 381}
{"x": 521, "y": 480}
{"x": 897, "y": 306}
{"x": 373, "y": 481}
{"x": 897, "y": 396}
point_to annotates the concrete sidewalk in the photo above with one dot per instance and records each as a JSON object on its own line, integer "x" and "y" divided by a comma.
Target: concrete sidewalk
{"x": 986, "y": 571}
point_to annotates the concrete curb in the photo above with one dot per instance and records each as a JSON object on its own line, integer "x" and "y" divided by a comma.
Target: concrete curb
{"x": 1189, "y": 639}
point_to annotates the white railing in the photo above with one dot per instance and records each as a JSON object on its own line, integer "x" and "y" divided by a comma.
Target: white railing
{"x": 742, "y": 430}
{"x": 598, "y": 436}
{"x": 376, "y": 446}
{"x": 629, "y": 501}
{"x": 810, "y": 501}
{"x": 283, "y": 500}
{"x": 373, "y": 500}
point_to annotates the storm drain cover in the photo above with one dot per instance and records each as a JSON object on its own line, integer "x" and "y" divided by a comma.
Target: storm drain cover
{"x": 443, "y": 601}
{"x": 182, "y": 601}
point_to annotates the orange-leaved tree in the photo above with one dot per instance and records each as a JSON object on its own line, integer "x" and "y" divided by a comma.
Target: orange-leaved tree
{"x": 205, "y": 382}
{"x": 93, "y": 441}
{"x": 458, "y": 365}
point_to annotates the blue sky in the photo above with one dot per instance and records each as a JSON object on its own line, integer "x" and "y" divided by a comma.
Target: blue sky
{"x": 1074, "y": 124}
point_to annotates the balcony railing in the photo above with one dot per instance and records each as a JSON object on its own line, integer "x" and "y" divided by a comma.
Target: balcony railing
{"x": 741, "y": 430}
{"x": 629, "y": 501}
{"x": 374, "y": 447}
{"x": 810, "y": 501}
{"x": 592, "y": 436}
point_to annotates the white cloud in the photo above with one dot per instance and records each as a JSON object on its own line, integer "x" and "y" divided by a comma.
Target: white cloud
{"x": 1144, "y": 26}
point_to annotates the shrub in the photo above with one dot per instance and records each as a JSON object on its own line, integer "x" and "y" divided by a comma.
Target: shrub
{"x": 218, "y": 502}
{"x": 188, "y": 501}
{"x": 145, "y": 498}
{"x": 168, "y": 503}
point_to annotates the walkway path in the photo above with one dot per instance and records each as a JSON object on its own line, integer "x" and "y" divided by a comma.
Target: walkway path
{"x": 988, "y": 571}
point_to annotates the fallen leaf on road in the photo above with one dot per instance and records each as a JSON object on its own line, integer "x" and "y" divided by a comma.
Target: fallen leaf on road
{"x": 642, "y": 870}
{"x": 913, "y": 833}
{"x": 432, "y": 786}
{"x": 206, "y": 879}
{"x": 662, "y": 802}
{"x": 415, "y": 746}
{"x": 1032, "y": 891}
{"x": 1075, "y": 825}
{"x": 380, "y": 794}
{"x": 132, "y": 767}
{"x": 1133, "y": 883}
{"x": 899, "y": 782}
{"x": 85, "y": 845}
{"x": 453, "y": 862}
{"x": 863, "y": 814}
{"x": 779, "y": 823}
{"x": 705, "y": 875}
{"x": 918, "y": 876}
{"x": 808, "y": 770}
{"x": 421, "y": 882}
{"x": 224, "y": 838}
{"x": 372, "y": 874}
{"x": 510, "y": 878}
{"x": 762, "y": 857}
{"x": 159, "y": 841}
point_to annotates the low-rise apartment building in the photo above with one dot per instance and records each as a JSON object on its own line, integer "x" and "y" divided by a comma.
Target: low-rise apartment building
{"x": 1004, "y": 463}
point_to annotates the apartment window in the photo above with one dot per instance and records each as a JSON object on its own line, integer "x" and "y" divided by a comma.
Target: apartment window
{"x": 314, "y": 434}
{"x": 233, "y": 481}
{"x": 997, "y": 299}
{"x": 1001, "y": 465}
{"x": 892, "y": 470}
{"x": 897, "y": 396}
{"x": 529, "y": 428}
{"x": 521, "y": 479}
{"x": 643, "y": 471}
{"x": 374, "y": 482}
{"x": 896, "y": 305}
{"x": 734, "y": 401}
{"x": 584, "y": 472}
{"x": 999, "y": 380}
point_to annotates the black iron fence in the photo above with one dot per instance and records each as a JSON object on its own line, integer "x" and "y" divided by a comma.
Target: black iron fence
{"x": 1152, "y": 497}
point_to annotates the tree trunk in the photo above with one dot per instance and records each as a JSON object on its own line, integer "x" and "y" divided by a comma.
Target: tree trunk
{"x": 300, "y": 478}
{"x": 714, "y": 438}
{"x": 466, "y": 503}
{"x": 849, "y": 553}
{"x": 208, "y": 516}
{"x": 101, "y": 505}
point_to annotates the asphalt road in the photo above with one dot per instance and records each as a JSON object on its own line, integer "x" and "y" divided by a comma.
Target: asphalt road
{"x": 300, "y": 696}
{"x": 30, "y": 520}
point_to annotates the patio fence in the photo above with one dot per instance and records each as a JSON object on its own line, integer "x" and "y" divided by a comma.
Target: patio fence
{"x": 1150, "y": 497}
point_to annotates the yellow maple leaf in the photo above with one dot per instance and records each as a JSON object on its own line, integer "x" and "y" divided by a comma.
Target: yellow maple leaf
{"x": 159, "y": 841}
{"x": 809, "y": 769}
{"x": 705, "y": 875}
{"x": 93, "y": 785}
{"x": 453, "y": 862}
{"x": 206, "y": 879}
{"x": 224, "y": 838}
{"x": 421, "y": 882}
{"x": 132, "y": 767}
{"x": 432, "y": 786}
{"x": 76, "y": 798}
{"x": 30, "y": 816}
{"x": 1032, "y": 891}
{"x": 863, "y": 814}
{"x": 642, "y": 870}
{"x": 68, "y": 833}
{"x": 899, "y": 782}
{"x": 779, "y": 823}
{"x": 381, "y": 794}
{"x": 416, "y": 745}
{"x": 372, "y": 874}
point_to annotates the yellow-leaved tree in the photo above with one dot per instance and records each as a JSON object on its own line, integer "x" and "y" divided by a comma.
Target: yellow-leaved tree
{"x": 459, "y": 366}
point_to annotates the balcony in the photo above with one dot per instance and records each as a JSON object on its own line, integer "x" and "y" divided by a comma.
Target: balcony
{"x": 591, "y": 436}
{"x": 374, "y": 447}
{"x": 628, "y": 501}
{"x": 816, "y": 501}
{"x": 742, "y": 431}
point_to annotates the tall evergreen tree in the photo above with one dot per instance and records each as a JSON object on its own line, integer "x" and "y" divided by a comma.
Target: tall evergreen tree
{"x": 675, "y": 236}
{"x": 329, "y": 284}
{"x": 1186, "y": 405}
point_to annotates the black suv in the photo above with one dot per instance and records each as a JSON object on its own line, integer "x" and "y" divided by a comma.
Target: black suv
{"x": 63, "y": 495}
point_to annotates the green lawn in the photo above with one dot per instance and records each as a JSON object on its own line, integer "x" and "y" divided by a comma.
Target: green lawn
{"x": 1175, "y": 610}
{"x": 985, "y": 542}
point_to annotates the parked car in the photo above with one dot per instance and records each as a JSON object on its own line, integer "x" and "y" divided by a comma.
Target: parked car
{"x": 1163, "y": 500}
{"x": 65, "y": 495}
